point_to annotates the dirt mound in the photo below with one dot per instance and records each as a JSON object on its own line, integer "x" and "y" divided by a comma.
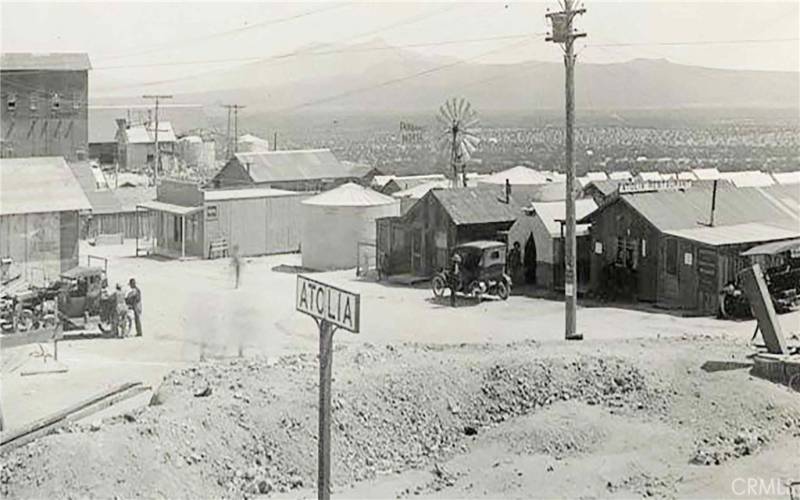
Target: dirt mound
{"x": 245, "y": 427}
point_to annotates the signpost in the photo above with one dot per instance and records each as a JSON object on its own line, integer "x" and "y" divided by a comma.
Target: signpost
{"x": 331, "y": 308}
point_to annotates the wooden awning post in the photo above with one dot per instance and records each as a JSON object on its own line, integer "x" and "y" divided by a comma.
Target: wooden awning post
{"x": 183, "y": 236}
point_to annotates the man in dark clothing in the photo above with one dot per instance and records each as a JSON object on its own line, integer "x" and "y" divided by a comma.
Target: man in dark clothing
{"x": 514, "y": 262}
{"x": 455, "y": 271}
{"x": 134, "y": 301}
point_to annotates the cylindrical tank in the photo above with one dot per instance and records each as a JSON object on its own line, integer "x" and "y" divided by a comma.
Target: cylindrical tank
{"x": 335, "y": 222}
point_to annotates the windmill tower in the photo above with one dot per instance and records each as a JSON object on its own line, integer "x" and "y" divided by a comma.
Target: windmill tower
{"x": 458, "y": 140}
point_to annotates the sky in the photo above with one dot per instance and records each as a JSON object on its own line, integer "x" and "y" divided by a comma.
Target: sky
{"x": 134, "y": 42}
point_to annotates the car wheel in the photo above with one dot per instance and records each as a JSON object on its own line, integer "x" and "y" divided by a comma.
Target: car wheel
{"x": 503, "y": 290}
{"x": 24, "y": 320}
{"x": 476, "y": 291}
{"x": 438, "y": 285}
{"x": 49, "y": 322}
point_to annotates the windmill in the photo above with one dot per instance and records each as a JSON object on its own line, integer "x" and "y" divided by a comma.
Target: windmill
{"x": 458, "y": 140}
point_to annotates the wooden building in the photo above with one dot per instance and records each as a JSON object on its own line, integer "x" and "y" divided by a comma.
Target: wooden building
{"x": 670, "y": 248}
{"x": 420, "y": 241}
{"x": 547, "y": 220}
{"x": 187, "y": 221}
{"x": 299, "y": 170}
{"x": 40, "y": 206}
{"x": 137, "y": 147}
{"x": 44, "y": 105}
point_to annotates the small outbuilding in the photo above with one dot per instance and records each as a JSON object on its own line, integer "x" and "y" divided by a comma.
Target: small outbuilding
{"x": 40, "y": 206}
{"x": 336, "y": 222}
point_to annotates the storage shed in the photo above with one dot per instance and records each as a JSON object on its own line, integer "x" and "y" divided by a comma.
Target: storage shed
{"x": 40, "y": 203}
{"x": 335, "y": 222}
{"x": 667, "y": 247}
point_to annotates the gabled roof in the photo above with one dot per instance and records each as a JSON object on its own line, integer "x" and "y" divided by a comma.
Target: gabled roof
{"x": 749, "y": 178}
{"x": 550, "y": 213}
{"x": 307, "y": 164}
{"x": 515, "y": 176}
{"x": 477, "y": 205}
{"x": 146, "y": 134}
{"x": 706, "y": 174}
{"x": 55, "y": 61}
{"x": 36, "y": 185}
{"x": 350, "y": 195}
{"x": 685, "y": 213}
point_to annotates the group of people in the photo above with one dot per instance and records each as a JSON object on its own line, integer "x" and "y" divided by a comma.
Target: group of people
{"x": 127, "y": 300}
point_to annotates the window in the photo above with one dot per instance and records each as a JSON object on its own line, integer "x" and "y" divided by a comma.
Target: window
{"x": 644, "y": 248}
{"x": 55, "y": 102}
{"x": 11, "y": 102}
{"x": 671, "y": 251}
{"x": 211, "y": 212}
{"x": 34, "y": 102}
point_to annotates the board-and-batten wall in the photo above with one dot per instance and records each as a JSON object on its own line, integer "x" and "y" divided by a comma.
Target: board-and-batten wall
{"x": 258, "y": 226}
{"x": 41, "y": 245}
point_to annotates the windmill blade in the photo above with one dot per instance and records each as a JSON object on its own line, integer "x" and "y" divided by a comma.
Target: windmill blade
{"x": 471, "y": 123}
{"x": 468, "y": 113}
{"x": 460, "y": 109}
{"x": 451, "y": 107}
{"x": 444, "y": 117}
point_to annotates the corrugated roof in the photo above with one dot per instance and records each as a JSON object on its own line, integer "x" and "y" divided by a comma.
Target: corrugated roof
{"x": 36, "y": 185}
{"x": 750, "y": 232}
{"x": 477, "y": 205}
{"x": 278, "y": 166}
{"x": 706, "y": 174}
{"x": 420, "y": 190}
{"x": 516, "y": 176}
{"x": 56, "y": 61}
{"x": 787, "y": 177}
{"x": 749, "y": 178}
{"x": 774, "y": 248}
{"x": 242, "y": 194}
{"x": 102, "y": 201}
{"x": 551, "y": 212}
{"x": 350, "y": 195}
{"x": 139, "y": 134}
{"x": 170, "y": 207}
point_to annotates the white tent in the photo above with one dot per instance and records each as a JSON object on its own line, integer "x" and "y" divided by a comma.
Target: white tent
{"x": 516, "y": 176}
{"x": 335, "y": 221}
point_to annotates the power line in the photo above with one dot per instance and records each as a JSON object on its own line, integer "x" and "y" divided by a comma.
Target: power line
{"x": 398, "y": 79}
{"x": 695, "y": 42}
{"x": 270, "y": 22}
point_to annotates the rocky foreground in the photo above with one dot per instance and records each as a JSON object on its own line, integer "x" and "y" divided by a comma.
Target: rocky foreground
{"x": 247, "y": 427}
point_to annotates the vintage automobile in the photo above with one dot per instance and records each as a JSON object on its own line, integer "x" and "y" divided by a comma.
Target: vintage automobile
{"x": 482, "y": 271}
{"x": 83, "y": 300}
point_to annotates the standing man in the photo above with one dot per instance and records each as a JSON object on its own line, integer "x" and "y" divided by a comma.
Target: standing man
{"x": 134, "y": 301}
{"x": 514, "y": 262}
{"x": 236, "y": 264}
{"x": 455, "y": 270}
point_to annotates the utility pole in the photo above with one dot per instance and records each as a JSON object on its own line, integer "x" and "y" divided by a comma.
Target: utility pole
{"x": 157, "y": 164}
{"x": 564, "y": 34}
{"x": 233, "y": 143}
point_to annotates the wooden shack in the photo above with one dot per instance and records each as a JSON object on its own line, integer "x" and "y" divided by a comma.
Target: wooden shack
{"x": 420, "y": 241}
{"x": 669, "y": 247}
{"x": 188, "y": 221}
{"x": 40, "y": 216}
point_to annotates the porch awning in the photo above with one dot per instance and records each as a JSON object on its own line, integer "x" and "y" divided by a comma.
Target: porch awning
{"x": 160, "y": 206}
{"x": 774, "y": 248}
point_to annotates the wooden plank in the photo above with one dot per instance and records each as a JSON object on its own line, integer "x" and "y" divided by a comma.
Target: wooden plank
{"x": 10, "y": 439}
{"x": 761, "y": 303}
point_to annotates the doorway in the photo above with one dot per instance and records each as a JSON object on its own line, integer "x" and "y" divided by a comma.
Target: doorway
{"x": 529, "y": 260}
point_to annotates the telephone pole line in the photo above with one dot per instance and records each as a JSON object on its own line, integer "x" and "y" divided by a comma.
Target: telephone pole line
{"x": 233, "y": 142}
{"x": 564, "y": 34}
{"x": 157, "y": 163}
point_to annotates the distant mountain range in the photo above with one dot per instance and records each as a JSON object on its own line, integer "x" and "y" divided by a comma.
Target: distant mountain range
{"x": 375, "y": 77}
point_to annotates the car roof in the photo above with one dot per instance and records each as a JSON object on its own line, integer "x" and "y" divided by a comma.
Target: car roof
{"x": 482, "y": 244}
{"x": 81, "y": 271}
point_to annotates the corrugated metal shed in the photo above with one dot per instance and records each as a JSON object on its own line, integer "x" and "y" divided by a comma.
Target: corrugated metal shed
{"x": 350, "y": 195}
{"x": 243, "y": 194}
{"x": 477, "y": 205}
{"x": 552, "y": 212}
{"x": 139, "y": 134}
{"x": 281, "y": 166}
{"x": 56, "y": 61}
{"x": 516, "y": 176}
{"x": 735, "y": 234}
{"x": 37, "y": 185}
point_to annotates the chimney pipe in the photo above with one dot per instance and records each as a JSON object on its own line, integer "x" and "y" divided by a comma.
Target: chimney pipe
{"x": 713, "y": 203}
{"x": 508, "y": 191}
